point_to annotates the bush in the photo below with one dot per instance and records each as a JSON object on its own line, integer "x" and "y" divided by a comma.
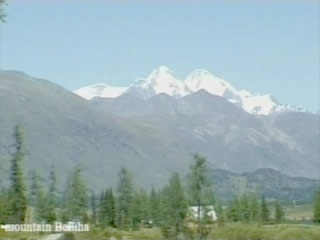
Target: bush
{"x": 69, "y": 236}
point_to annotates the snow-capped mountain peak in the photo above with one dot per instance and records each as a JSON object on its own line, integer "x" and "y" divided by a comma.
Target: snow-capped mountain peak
{"x": 160, "y": 76}
{"x": 161, "y": 80}
{"x": 203, "y": 79}
{"x": 100, "y": 90}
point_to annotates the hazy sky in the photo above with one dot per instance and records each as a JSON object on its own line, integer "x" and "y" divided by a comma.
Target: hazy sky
{"x": 263, "y": 46}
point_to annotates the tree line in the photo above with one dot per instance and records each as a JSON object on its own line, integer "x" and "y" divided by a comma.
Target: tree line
{"x": 126, "y": 206}
{"x": 2, "y": 14}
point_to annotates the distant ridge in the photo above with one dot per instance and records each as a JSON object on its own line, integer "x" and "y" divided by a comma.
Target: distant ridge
{"x": 264, "y": 182}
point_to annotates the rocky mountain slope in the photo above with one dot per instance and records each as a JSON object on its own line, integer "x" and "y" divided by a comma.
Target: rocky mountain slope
{"x": 159, "y": 133}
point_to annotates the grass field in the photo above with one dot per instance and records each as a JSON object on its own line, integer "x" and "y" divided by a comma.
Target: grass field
{"x": 299, "y": 213}
{"x": 228, "y": 232}
{"x": 267, "y": 232}
{"x": 20, "y": 236}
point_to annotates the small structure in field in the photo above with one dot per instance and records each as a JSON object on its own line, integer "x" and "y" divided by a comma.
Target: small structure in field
{"x": 205, "y": 211}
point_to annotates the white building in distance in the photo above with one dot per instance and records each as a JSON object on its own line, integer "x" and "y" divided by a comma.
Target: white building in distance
{"x": 209, "y": 211}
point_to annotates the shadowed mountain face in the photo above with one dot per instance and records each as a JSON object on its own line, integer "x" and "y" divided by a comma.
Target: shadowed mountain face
{"x": 157, "y": 135}
{"x": 63, "y": 129}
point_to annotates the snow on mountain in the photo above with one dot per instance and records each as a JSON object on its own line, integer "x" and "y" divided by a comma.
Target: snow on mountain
{"x": 261, "y": 105}
{"x": 100, "y": 90}
{"x": 291, "y": 108}
{"x": 162, "y": 81}
{"x": 202, "y": 79}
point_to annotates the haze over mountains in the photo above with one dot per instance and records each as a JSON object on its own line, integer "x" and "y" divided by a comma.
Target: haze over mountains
{"x": 153, "y": 128}
{"x": 162, "y": 81}
{"x": 264, "y": 182}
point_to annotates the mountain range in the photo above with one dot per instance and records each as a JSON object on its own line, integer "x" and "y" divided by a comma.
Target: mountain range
{"x": 266, "y": 182}
{"x": 163, "y": 81}
{"x": 151, "y": 129}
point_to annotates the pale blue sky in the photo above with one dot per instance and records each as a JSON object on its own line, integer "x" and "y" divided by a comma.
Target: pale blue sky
{"x": 263, "y": 46}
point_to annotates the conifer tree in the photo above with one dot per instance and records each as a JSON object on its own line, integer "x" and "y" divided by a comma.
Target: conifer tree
{"x": 254, "y": 208}
{"x": 34, "y": 188}
{"x": 112, "y": 208}
{"x": 41, "y": 200}
{"x": 265, "y": 212}
{"x": 124, "y": 199}
{"x": 140, "y": 209}
{"x": 164, "y": 212}
{"x": 137, "y": 210}
{"x": 101, "y": 209}
{"x": 2, "y": 14}
{"x": 4, "y": 207}
{"x": 208, "y": 202}
{"x": 93, "y": 209}
{"x": 41, "y": 203}
{"x": 107, "y": 210}
{"x": 65, "y": 203}
{"x": 18, "y": 196}
{"x": 220, "y": 214}
{"x": 198, "y": 182}
{"x": 77, "y": 199}
{"x": 173, "y": 207}
{"x": 37, "y": 197}
{"x": 233, "y": 212}
{"x": 52, "y": 197}
{"x": 154, "y": 207}
{"x": 279, "y": 212}
{"x": 244, "y": 210}
{"x": 316, "y": 208}
{"x": 177, "y": 204}
{"x": 53, "y": 184}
